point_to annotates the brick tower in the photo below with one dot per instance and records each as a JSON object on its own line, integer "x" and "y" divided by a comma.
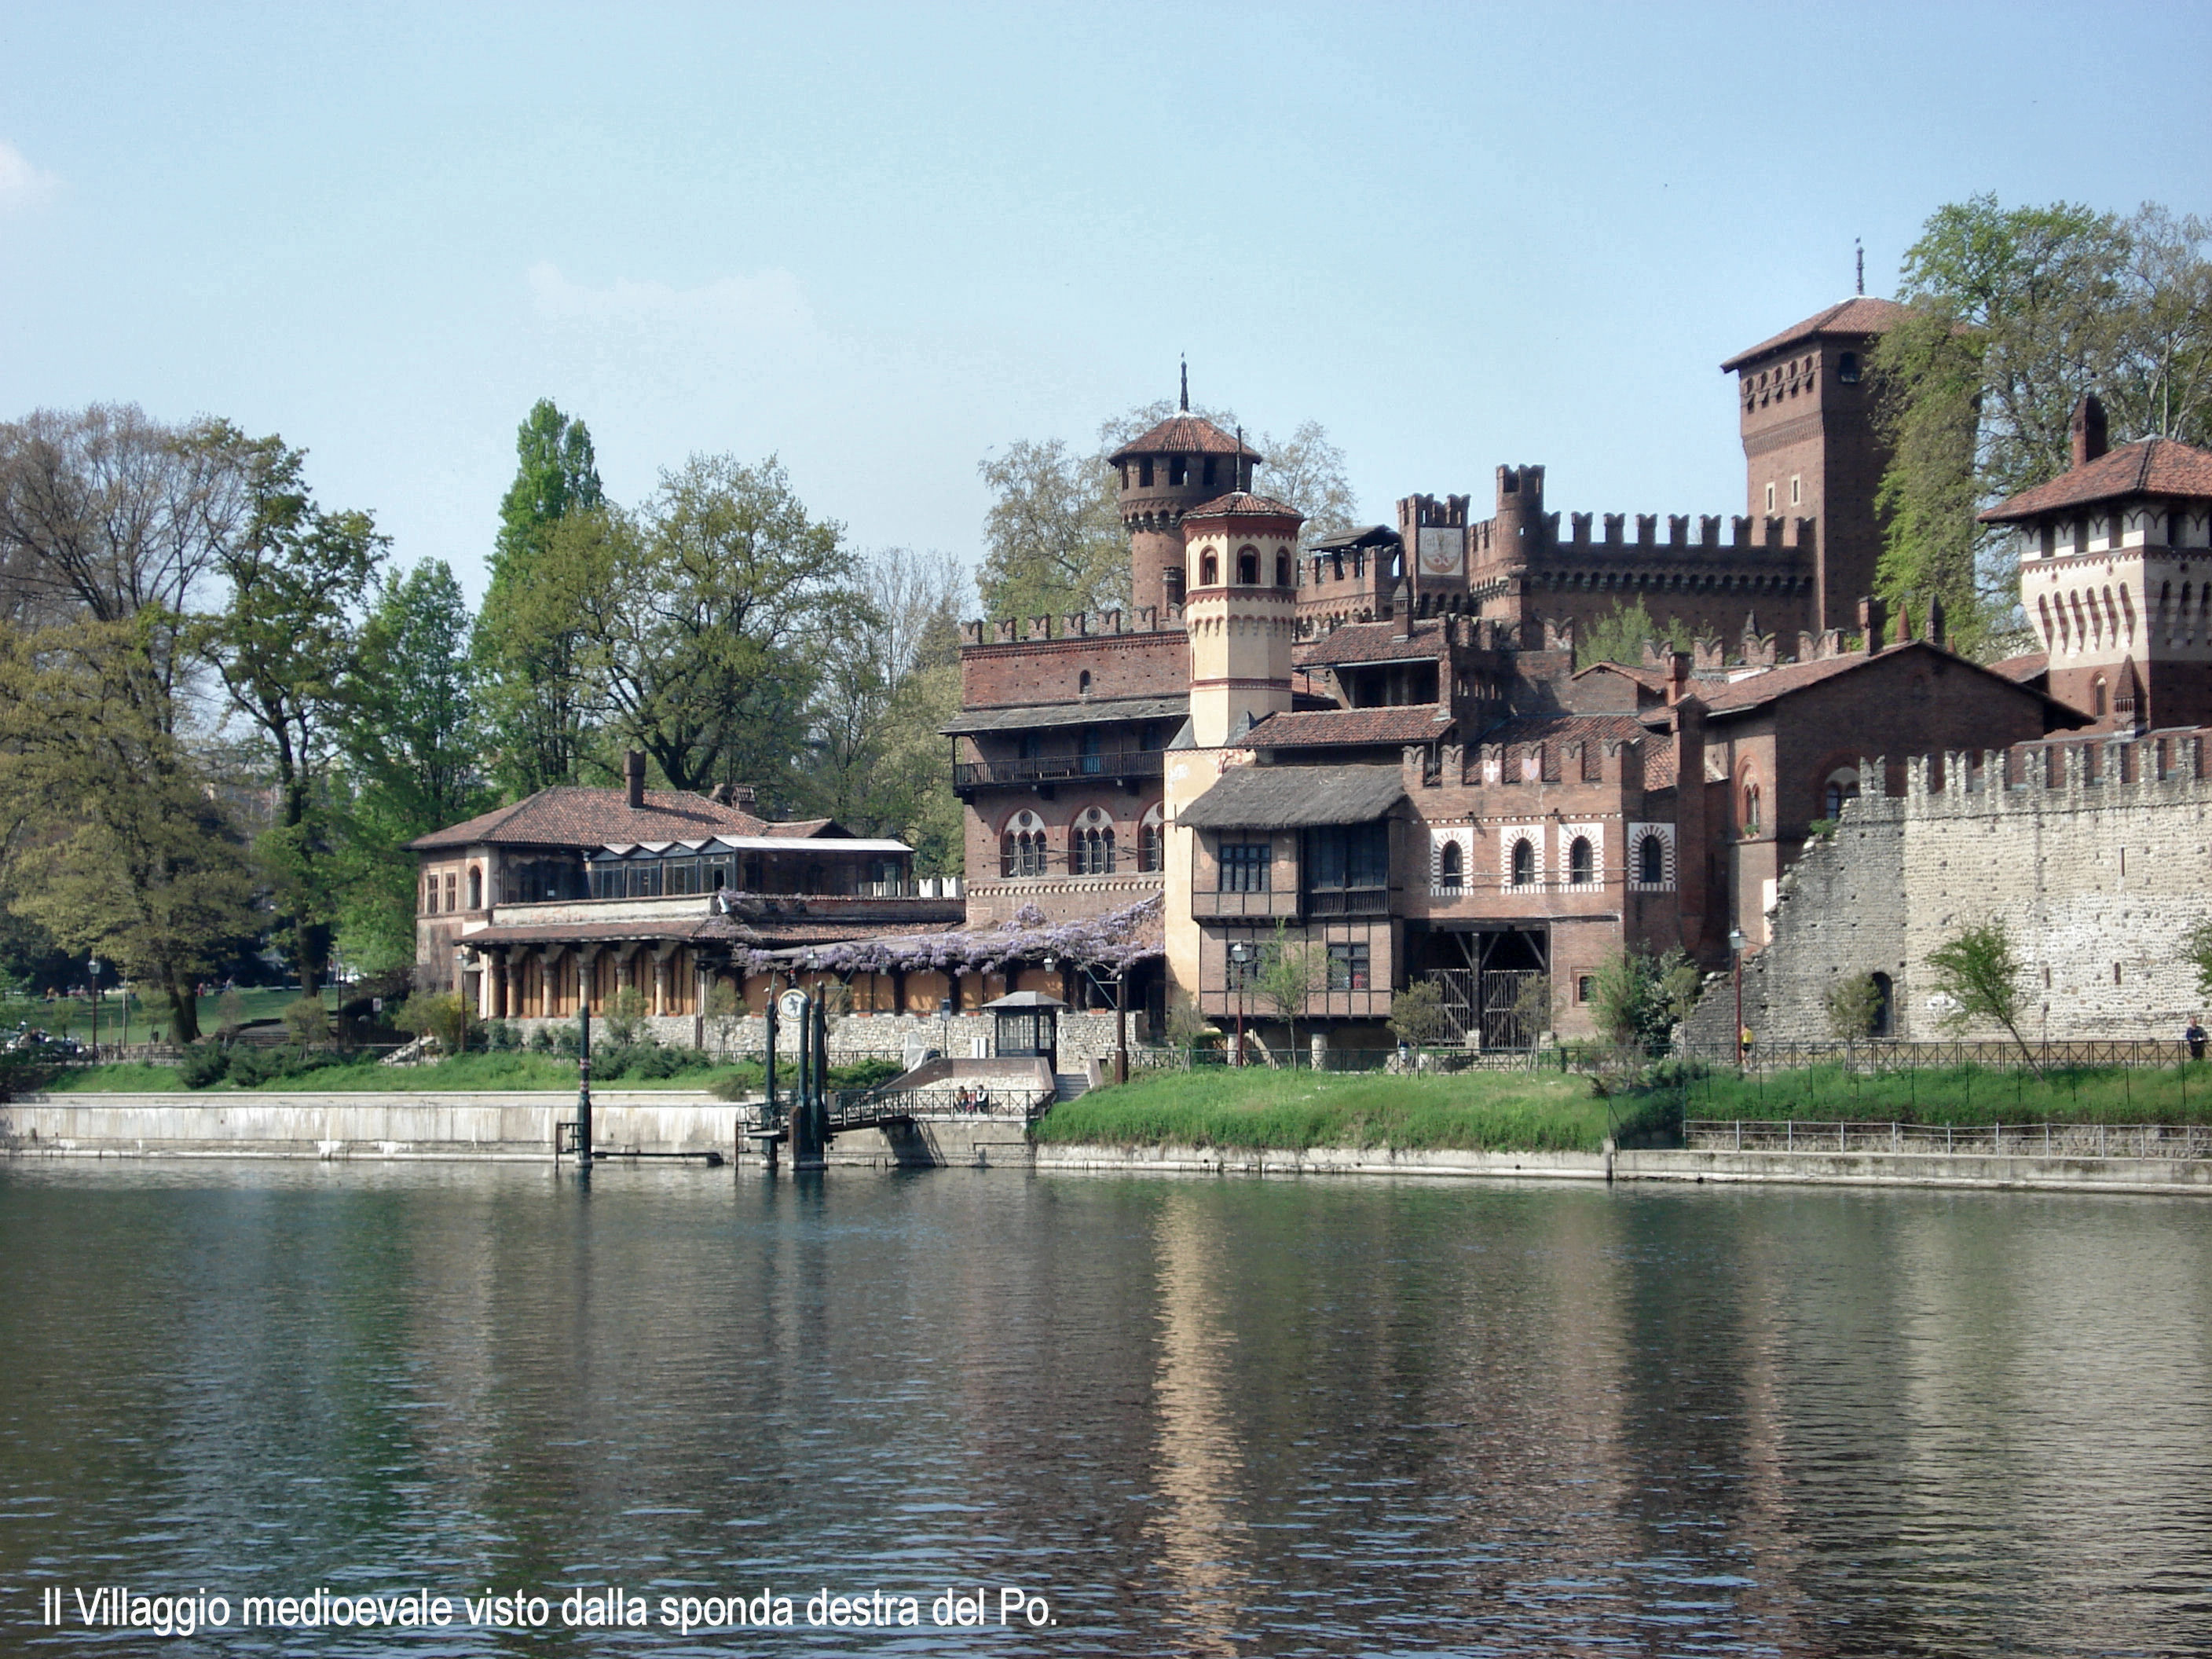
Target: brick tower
{"x": 1184, "y": 462}
{"x": 1810, "y": 447}
{"x": 1241, "y": 613}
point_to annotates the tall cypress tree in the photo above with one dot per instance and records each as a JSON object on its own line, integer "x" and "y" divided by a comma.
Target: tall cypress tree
{"x": 531, "y": 670}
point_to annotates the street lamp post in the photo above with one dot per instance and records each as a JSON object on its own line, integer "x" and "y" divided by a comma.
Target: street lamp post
{"x": 96, "y": 1007}
{"x": 583, "y": 1068}
{"x": 1240, "y": 953}
{"x": 1736, "y": 942}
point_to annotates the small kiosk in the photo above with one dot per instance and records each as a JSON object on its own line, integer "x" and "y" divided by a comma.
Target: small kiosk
{"x": 1028, "y": 1027}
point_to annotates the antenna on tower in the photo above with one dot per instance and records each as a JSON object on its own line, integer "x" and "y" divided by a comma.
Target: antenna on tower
{"x": 1186, "y": 385}
{"x": 1242, "y": 483}
{"x": 1859, "y": 248}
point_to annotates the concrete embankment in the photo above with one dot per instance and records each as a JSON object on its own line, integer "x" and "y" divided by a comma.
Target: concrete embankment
{"x": 364, "y": 1125}
{"x": 2112, "y": 1175}
{"x": 500, "y": 1125}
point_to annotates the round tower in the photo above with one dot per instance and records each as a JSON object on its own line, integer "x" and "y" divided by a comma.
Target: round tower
{"x": 1183, "y": 463}
{"x": 1241, "y": 612}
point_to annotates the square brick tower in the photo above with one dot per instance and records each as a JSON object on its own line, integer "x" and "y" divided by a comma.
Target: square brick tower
{"x": 1810, "y": 447}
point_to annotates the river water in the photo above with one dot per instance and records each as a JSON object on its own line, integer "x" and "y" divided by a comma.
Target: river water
{"x": 1327, "y": 1416}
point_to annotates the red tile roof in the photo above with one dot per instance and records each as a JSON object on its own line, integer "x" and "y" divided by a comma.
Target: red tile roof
{"x": 1566, "y": 728}
{"x": 1754, "y": 690}
{"x": 1416, "y": 723}
{"x": 1371, "y": 642}
{"x": 1186, "y": 434}
{"x": 566, "y": 815}
{"x": 2156, "y": 466}
{"x": 2024, "y": 667}
{"x": 1241, "y": 504}
{"x": 1855, "y": 316}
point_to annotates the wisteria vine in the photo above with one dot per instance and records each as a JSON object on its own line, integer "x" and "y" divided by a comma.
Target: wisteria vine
{"x": 1112, "y": 941}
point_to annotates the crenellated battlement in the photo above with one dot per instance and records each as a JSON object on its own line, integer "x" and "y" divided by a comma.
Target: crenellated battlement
{"x": 1608, "y": 763}
{"x": 1075, "y": 625}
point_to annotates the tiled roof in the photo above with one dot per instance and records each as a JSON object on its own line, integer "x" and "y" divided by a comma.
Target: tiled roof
{"x": 1373, "y": 535}
{"x": 1290, "y": 796}
{"x": 568, "y": 815}
{"x": 1565, "y": 728}
{"x": 1659, "y": 766}
{"x": 1242, "y": 504}
{"x": 1185, "y": 435}
{"x": 1859, "y": 315}
{"x": 1376, "y": 642}
{"x": 1089, "y": 711}
{"x": 1415, "y": 723}
{"x": 2024, "y": 667}
{"x": 1651, "y": 679}
{"x": 1754, "y": 690}
{"x": 2156, "y": 466}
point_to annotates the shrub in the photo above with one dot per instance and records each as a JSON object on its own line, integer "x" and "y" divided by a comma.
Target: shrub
{"x": 229, "y": 1014}
{"x": 865, "y": 1073}
{"x": 204, "y": 1063}
{"x": 541, "y": 1042}
{"x": 1416, "y": 1014}
{"x": 445, "y": 1016}
{"x": 308, "y": 1021}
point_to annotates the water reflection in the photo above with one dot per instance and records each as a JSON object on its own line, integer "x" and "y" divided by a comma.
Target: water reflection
{"x": 1204, "y": 1417}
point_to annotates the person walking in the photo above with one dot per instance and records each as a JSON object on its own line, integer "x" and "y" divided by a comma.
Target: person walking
{"x": 2194, "y": 1036}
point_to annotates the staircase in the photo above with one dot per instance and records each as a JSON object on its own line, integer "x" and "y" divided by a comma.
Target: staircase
{"x": 1067, "y": 1085}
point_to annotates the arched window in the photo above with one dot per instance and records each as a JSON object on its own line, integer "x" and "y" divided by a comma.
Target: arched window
{"x": 1178, "y": 472}
{"x": 2097, "y": 697}
{"x": 1885, "y": 1008}
{"x": 1847, "y": 367}
{"x": 1247, "y": 567}
{"x": 1450, "y": 866}
{"x": 1749, "y": 820}
{"x": 1582, "y": 865}
{"x": 1209, "y": 571}
{"x": 476, "y": 887}
{"x": 1524, "y": 863}
{"x": 1651, "y": 860}
{"x": 1090, "y": 845}
{"x": 1843, "y": 785}
{"x": 1083, "y": 684}
{"x": 1152, "y": 844}
{"x": 1282, "y": 570}
{"x": 1021, "y": 848}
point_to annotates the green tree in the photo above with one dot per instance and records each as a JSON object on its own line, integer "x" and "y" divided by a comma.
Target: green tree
{"x": 1288, "y": 973}
{"x": 132, "y": 858}
{"x": 1622, "y": 632}
{"x": 1417, "y": 1018}
{"x": 879, "y": 700}
{"x": 283, "y": 647}
{"x": 706, "y": 619}
{"x": 533, "y": 675}
{"x": 413, "y": 746}
{"x": 1978, "y": 970}
{"x": 2018, "y": 313}
{"x": 1638, "y": 998}
{"x": 1053, "y": 538}
{"x": 1854, "y": 1007}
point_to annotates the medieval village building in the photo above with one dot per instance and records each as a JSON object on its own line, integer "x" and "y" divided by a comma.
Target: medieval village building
{"x": 1378, "y": 746}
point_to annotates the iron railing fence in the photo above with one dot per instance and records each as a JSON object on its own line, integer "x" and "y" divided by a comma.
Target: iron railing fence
{"x": 1059, "y": 768}
{"x": 1989, "y": 1054}
{"x": 2166, "y": 1140}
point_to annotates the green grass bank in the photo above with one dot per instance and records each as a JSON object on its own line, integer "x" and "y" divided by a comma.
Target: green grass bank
{"x": 1960, "y": 1096}
{"x": 1258, "y": 1108}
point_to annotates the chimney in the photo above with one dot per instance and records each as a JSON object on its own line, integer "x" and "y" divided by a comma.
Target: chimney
{"x": 2088, "y": 430}
{"x": 1936, "y": 634}
{"x": 1905, "y": 624}
{"x": 634, "y": 775}
{"x": 1678, "y": 677}
{"x": 1873, "y": 613}
{"x": 1404, "y": 610}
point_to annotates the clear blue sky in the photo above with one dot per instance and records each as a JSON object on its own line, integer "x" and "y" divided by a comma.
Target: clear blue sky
{"x": 881, "y": 241}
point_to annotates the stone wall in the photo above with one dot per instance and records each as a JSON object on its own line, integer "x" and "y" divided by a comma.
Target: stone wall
{"x": 2097, "y": 855}
{"x": 882, "y": 1036}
